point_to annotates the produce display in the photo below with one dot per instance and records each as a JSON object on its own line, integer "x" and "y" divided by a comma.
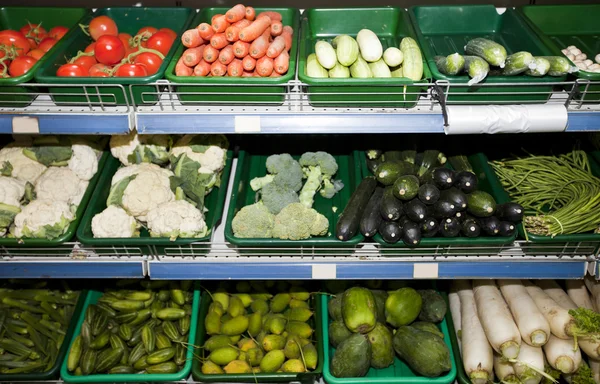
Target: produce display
{"x": 284, "y": 209}
{"x": 33, "y": 326}
{"x": 43, "y": 181}
{"x": 523, "y": 332}
{"x": 413, "y": 196}
{"x": 560, "y": 194}
{"x": 255, "y": 331}
{"x": 114, "y": 54}
{"x": 161, "y": 185}
{"x": 20, "y": 50}
{"x": 369, "y": 328}
{"x": 364, "y": 57}
{"x": 134, "y": 330}
{"x": 239, "y": 43}
{"x": 581, "y": 60}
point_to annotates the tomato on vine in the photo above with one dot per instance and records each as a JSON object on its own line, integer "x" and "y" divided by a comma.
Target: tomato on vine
{"x": 150, "y": 61}
{"x": 10, "y": 38}
{"x": 71, "y": 70}
{"x": 47, "y": 44}
{"x": 170, "y": 32}
{"x": 85, "y": 61}
{"x": 109, "y": 50}
{"x": 34, "y": 33}
{"x": 36, "y": 53}
{"x": 131, "y": 70}
{"x": 99, "y": 70}
{"x": 161, "y": 41}
{"x": 102, "y": 26}
{"x": 58, "y": 32}
{"x": 21, "y": 65}
{"x": 151, "y": 30}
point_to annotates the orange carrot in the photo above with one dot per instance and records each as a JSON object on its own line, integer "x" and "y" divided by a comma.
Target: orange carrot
{"x": 232, "y": 34}
{"x": 276, "y": 28}
{"x": 218, "y": 69}
{"x": 254, "y": 30}
{"x": 236, "y": 13}
{"x": 226, "y": 55}
{"x": 259, "y": 47}
{"x": 202, "y": 69}
{"x": 264, "y": 66}
{"x": 218, "y": 41}
{"x": 220, "y": 24}
{"x": 235, "y": 68}
{"x": 182, "y": 70}
{"x": 191, "y": 38}
{"x": 242, "y": 23}
{"x": 192, "y": 56}
{"x": 241, "y": 49}
{"x": 274, "y": 74}
{"x": 212, "y": 19}
{"x": 267, "y": 34}
{"x": 248, "y": 74}
{"x": 276, "y": 47}
{"x": 250, "y": 13}
{"x": 275, "y": 16}
{"x": 210, "y": 54}
{"x": 281, "y": 63}
{"x": 248, "y": 63}
{"x": 205, "y": 31}
{"x": 287, "y": 34}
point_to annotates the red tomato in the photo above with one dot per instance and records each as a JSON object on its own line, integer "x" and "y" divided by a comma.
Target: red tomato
{"x": 99, "y": 70}
{"x": 101, "y": 26}
{"x": 170, "y": 32}
{"x": 33, "y": 33}
{"x": 21, "y": 65}
{"x": 36, "y": 53}
{"x": 131, "y": 70}
{"x": 149, "y": 60}
{"x": 148, "y": 29}
{"x": 125, "y": 37}
{"x": 11, "y": 38}
{"x": 86, "y": 62}
{"x": 58, "y": 32}
{"x": 109, "y": 50}
{"x": 90, "y": 48}
{"x": 71, "y": 70}
{"x": 161, "y": 41}
{"x": 47, "y": 44}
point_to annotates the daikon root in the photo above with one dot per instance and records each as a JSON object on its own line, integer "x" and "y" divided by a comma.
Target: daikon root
{"x": 560, "y": 354}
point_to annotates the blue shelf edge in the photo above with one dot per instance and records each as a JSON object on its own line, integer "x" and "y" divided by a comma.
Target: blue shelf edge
{"x": 69, "y": 124}
{"x": 71, "y": 270}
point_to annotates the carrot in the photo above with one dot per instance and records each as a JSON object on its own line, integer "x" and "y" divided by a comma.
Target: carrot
{"x": 235, "y": 68}
{"x": 248, "y": 74}
{"x": 242, "y": 23}
{"x": 276, "y": 47}
{"x": 219, "y": 41}
{"x": 241, "y": 49}
{"x": 287, "y": 34}
{"x": 212, "y": 19}
{"x": 220, "y": 24}
{"x": 281, "y": 63}
{"x": 274, "y": 74}
{"x": 267, "y": 34}
{"x": 218, "y": 69}
{"x": 248, "y": 63}
{"x": 226, "y": 55}
{"x": 276, "y": 28}
{"x": 210, "y": 54}
{"x": 259, "y": 47}
{"x": 205, "y": 31}
{"x": 191, "y": 38}
{"x": 264, "y": 66}
{"x": 232, "y": 34}
{"x": 202, "y": 69}
{"x": 192, "y": 56}
{"x": 236, "y": 13}
{"x": 181, "y": 69}
{"x": 275, "y": 16}
{"x": 254, "y": 30}
{"x": 250, "y": 13}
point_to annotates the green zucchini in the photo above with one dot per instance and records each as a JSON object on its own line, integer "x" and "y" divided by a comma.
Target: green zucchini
{"x": 371, "y": 218}
{"x": 492, "y": 52}
{"x": 539, "y": 67}
{"x": 392, "y": 156}
{"x": 349, "y": 220}
{"x": 390, "y": 232}
{"x": 476, "y": 68}
{"x": 406, "y": 187}
{"x": 389, "y": 171}
{"x": 559, "y": 66}
{"x": 481, "y": 204}
{"x": 451, "y": 65}
{"x": 409, "y": 156}
{"x": 517, "y": 63}
{"x": 390, "y": 207}
{"x": 460, "y": 163}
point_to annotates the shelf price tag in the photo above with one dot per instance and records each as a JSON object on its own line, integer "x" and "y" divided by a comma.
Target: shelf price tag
{"x": 324, "y": 271}
{"x": 425, "y": 271}
{"x": 247, "y": 124}
{"x": 25, "y": 124}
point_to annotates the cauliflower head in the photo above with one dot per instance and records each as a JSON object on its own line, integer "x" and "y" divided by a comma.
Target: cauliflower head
{"x": 14, "y": 163}
{"x": 42, "y": 219}
{"x": 210, "y": 151}
{"x": 276, "y": 197}
{"x": 253, "y": 221}
{"x": 60, "y": 184}
{"x": 135, "y": 149}
{"x": 114, "y": 222}
{"x": 297, "y": 222}
{"x": 11, "y": 191}
{"x": 84, "y": 162}
{"x": 176, "y": 219}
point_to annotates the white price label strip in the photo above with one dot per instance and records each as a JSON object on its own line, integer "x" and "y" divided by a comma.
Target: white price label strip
{"x": 247, "y": 124}
{"x": 425, "y": 271}
{"x": 25, "y": 124}
{"x": 324, "y": 271}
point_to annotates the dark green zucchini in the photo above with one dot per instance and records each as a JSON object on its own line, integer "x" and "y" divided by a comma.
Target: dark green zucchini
{"x": 429, "y": 194}
{"x": 349, "y": 220}
{"x": 481, "y": 204}
{"x": 470, "y": 227}
{"x": 409, "y": 156}
{"x": 411, "y": 234}
{"x": 373, "y": 164}
{"x": 431, "y": 158}
{"x": 450, "y": 227}
{"x": 406, "y": 187}
{"x": 388, "y": 171}
{"x": 506, "y": 228}
{"x": 429, "y": 227}
{"x": 456, "y": 197}
{"x": 460, "y": 163}
{"x": 466, "y": 181}
{"x": 444, "y": 209}
{"x": 371, "y": 218}
{"x": 443, "y": 177}
{"x": 415, "y": 210}
{"x": 512, "y": 212}
{"x": 373, "y": 154}
{"x": 490, "y": 225}
{"x": 390, "y": 231}
{"x": 392, "y": 156}
{"x": 390, "y": 207}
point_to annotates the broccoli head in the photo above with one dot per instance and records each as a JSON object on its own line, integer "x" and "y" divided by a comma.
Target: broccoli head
{"x": 253, "y": 221}
{"x": 322, "y": 159}
{"x": 318, "y": 168}
{"x": 297, "y": 222}
{"x": 283, "y": 170}
{"x": 330, "y": 188}
{"x": 275, "y": 197}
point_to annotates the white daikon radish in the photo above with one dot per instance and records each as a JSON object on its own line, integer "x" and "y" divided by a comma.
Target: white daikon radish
{"x": 575, "y": 51}
{"x": 529, "y": 365}
{"x": 477, "y": 353}
{"x": 500, "y": 328}
{"x": 561, "y": 323}
{"x": 454, "y": 301}
{"x": 581, "y": 57}
{"x": 578, "y": 292}
{"x": 597, "y": 60}
{"x": 557, "y": 294}
{"x": 581, "y": 65}
{"x": 504, "y": 370}
{"x": 571, "y": 57}
{"x": 595, "y": 367}
{"x": 594, "y": 288}
{"x": 532, "y": 324}
{"x": 560, "y": 354}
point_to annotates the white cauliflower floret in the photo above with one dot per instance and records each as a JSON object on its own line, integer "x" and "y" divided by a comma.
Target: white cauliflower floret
{"x": 84, "y": 161}
{"x": 139, "y": 168}
{"x": 60, "y": 184}
{"x": 11, "y": 191}
{"x": 208, "y": 150}
{"x": 134, "y": 149}
{"x": 176, "y": 219}
{"x": 114, "y": 222}
{"x": 14, "y": 163}
{"x": 42, "y": 219}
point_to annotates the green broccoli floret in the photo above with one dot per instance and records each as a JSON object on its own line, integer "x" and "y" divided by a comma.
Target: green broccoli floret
{"x": 322, "y": 159}
{"x": 318, "y": 168}
{"x": 331, "y": 188}
{"x": 297, "y": 222}
{"x": 253, "y": 221}
{"x": 283, "y": 170}
{"x": 276, "y": 197}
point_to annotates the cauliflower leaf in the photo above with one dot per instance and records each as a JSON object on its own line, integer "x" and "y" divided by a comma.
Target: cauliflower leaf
{"x": 50, "y": 151}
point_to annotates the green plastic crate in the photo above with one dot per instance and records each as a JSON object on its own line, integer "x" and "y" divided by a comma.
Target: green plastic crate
{"x": 92, "y": 298}
{"x": 228, "y": 90}
{"x": 250, "y": 166}
{"x": 559, "y": 26}
{"x": 461, "y": 375}
{"x": 443, "y": 30}
{"x": 53, "y": 373}
{"x": 15, "y": 18}
{"x": 390, "y": 24}
{"x": 308, "y": 377}
{"x": 129, "y": 20}
{"x": 399, "y": 372}
{"x": 214, "y": 201}
{"x": 71, "y": 229}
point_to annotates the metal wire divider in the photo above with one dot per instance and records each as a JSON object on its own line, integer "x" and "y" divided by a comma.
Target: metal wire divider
{"x": 71, "y": 251}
